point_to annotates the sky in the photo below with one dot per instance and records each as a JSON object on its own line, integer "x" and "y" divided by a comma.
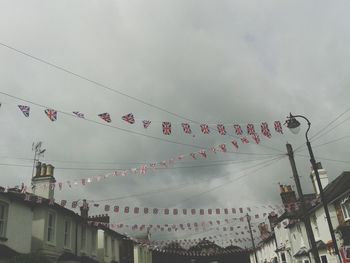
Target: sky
{"x": 208, "y": 61}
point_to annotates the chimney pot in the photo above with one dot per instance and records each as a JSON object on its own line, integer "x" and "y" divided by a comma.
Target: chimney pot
{"x": 49, "y": 170}
{"x": 38, "y": 169}
{"x": 43, "y": 169}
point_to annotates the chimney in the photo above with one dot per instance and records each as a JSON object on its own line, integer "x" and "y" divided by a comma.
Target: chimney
{"x": 323, "y": 177}
{"x": 288, "y": 197}
{"x": 273, "y": 220}
{"x": 264, "y": 230}
{"x": 84, "y": 210}
{"x": 43, "y": 183}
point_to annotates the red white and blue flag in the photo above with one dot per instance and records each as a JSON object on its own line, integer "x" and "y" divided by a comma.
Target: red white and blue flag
{"x": 186, "y": 127}
{"x": 238, "y": 129}
{"x": 51, "y": 114}
{"x": 79, "y": 114}
{"x": 203, "y": 153}
{"x": 146, "y": 123}
{"x": 250, "y": 129}
{"x": 205, "y": 128}
{"x": 221, "y": 129}
{"x": 129, "y": 118}
{"x": 265, "y": 129}
{"x": 278, "y": 127}
{"x": 105, "y": 116}
{"x": 223, "y": 147}
{"x": 244, "y": 140}
{"x": 235, "y": 144}
{"x": 167, "y": 128}
{"x": 25, "y": 110}
{"x": 256, "y": 138}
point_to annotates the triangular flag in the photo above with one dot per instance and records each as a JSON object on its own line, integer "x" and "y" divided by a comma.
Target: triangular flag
{"x": 51, "y": 114}
{"x": 25, "y": 110}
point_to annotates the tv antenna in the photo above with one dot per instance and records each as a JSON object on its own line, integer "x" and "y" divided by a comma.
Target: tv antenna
{"x": 38, "y": 152}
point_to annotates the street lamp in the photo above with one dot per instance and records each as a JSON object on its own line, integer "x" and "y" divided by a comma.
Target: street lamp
{"x": 294, "y": 125}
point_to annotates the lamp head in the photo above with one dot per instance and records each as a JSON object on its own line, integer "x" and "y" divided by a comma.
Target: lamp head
{"x": 293, "y": 124}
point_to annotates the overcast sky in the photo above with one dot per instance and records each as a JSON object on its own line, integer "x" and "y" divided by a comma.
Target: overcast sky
{"x": 210, "y": 61}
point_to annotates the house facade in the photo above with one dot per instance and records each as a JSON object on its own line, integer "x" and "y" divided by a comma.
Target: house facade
{"x": 291, "y": 239}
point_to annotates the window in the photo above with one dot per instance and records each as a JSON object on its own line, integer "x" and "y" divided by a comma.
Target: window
{"x": 113, "y": 248}
{"x": 106, "y": 245}
{"x": 283, "y": 258}
{"x": 324, "y": 259}
{"x": 93, "y": 240}
{"x": 299, "y": 228}
{"x": 83, "y": 237}
{"x": 51, "y": 227}
{"x": 67, "y": 233}
{"x": 3, "y": 219}
{"x": 346, "y": 209}
{"x": 347, "y": 252}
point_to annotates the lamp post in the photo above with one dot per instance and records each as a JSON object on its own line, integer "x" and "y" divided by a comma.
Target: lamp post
{"x": 294, "y": 125}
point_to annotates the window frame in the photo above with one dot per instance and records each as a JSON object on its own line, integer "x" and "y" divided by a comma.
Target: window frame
{"x": 105, "y": 243}
{"x": 4, "y": 219}
{"x": 69, "y": 235}
{"x": 345, "y": 206}
{"x": 324, "y": 256}
{"x": 83, "y": 237}
{"x": 54, "y": 227}
{"x": 283, "y": 255}
{"x": 93, "y": 241}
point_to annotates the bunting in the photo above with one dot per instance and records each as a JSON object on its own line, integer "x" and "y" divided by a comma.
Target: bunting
{"x": 129, "y": 118}
{"x": 166, "y": 128}
{"x": 106, "y": 117}
{"x": 51, "y": 114}
{"x": 146, "y": 123}
{"x": 24, "y": 109}
{"x": 205, "y": 128}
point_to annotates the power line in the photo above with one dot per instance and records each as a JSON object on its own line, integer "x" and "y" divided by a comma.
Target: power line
{"x": 109, "y": 88}
{"x": 122, "y": 129}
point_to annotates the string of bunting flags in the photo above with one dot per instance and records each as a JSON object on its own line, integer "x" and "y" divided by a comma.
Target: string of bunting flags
{"x": 239, "y": 130}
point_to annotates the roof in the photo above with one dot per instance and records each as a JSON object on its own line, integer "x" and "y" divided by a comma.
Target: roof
{"x": 302, "y": 252}
{"x": 6, "y": 252}
{"x": 337, "y": 187}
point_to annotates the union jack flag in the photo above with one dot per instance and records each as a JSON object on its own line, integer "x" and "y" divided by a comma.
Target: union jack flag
{"x": 79, "y": 114}
{"x": 235, "y": 144}
{"x": 265, "y": 130}
{"x": 193, "y": 155}
{"x": 186, "y": 127}
{"x": 146, "y": 123}
{"x": 51, "y": 114}
{"x": 223, "y": 147}
{"x": 278, "y": 127}
{"x": 250, "y": 129}
{"x": 205, "y": 128}
{"x": 256, "y": 138}
{"x": 25, "y": 110}
{"x": 221, "y": 129}
{"x": 129, "y": 118}
{"x": 167, "y": 128}
{"x": 143, "y": 169}
{"x": 203, "y": 153}
{"x": 105, "y": 116}
{"x": 74, "y": 204}
{"x": 244, "y": 140}
{"x": 238, "y": 129}
{"x": 213, "y": 149}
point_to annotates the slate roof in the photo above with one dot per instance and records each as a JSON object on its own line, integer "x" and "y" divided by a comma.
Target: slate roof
{"x": 337, "y": 187}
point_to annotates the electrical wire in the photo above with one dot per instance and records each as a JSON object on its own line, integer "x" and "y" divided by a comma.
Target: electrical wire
{"x": 122, "y": 129}
{"x": 109, "y": 88}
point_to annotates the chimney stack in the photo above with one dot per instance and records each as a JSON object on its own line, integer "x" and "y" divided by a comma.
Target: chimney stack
{"x": 84, "y": 210}
{"x": 264, "y": 230}
{"x": 323, "y": 177}
{"x": 43, "y": 181}
{"x": 273, "y": 219}
{"x": 288, "y": 197}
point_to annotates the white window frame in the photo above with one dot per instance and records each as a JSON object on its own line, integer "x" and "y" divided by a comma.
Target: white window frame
{"x": 53, "y": 241}
{"x": 68, "y": 235}
{"x": 345, "y": 206}
{"x": 285, "y": 258}
{"x": 4, "y": 207}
